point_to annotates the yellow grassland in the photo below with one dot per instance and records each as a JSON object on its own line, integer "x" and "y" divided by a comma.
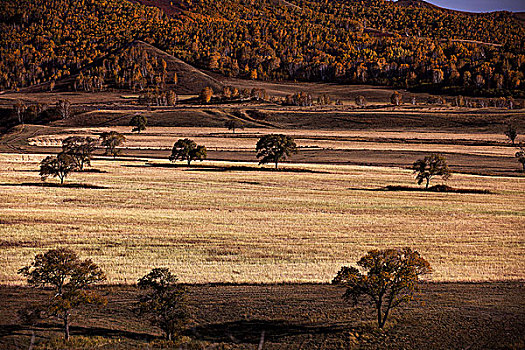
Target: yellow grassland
{"x": 257, "y": 226}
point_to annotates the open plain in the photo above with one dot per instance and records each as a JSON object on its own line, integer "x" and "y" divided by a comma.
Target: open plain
{"x": 236, "y": 222}
{"x": 256, "y": 246}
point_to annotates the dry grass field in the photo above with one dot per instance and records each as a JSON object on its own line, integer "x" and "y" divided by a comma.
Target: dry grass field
{"x": 218, "y": 139}
{"x": 218, "y": 222}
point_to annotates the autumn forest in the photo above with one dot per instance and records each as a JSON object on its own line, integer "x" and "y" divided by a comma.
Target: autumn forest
{"x": 368, "y": 42}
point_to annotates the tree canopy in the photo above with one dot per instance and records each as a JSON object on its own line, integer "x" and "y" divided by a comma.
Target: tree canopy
{"x": 80, "y": 149}
{"x": 274, "y": 148}
{"x": 57, "y": 166}
{"x": 165, "y": 301}
{"x": 112, "y": 140}
{"x": 390, "y": 278}
{"x": 430, "y": 166}
{"x": 188, "y": 150}
{"x": 139, "y": 123}
{"x": 69, "y": 277}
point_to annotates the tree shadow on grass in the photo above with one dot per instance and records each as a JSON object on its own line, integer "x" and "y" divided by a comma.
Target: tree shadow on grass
{"x": 250, "y": 331}
{"x": 17, "y": 329}
{"x": 57, "y": 185}
{"x": 435, "y": 189}
{"x": 212, "y": 168}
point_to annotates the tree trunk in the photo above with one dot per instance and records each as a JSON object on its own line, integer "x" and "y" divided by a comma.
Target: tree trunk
{"x": 276, "y": 164}
{"x": 66, "y": 325}
{"x": 61, "y": 180}
{"x": 385, "y": 317}
{"x": 379, "y": 316}
{"x": 428, "y": 181}
{"x": 189, "y": 161}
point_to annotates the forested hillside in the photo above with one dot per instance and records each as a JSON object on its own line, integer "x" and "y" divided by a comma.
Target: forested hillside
{"x": 343, "y": 41}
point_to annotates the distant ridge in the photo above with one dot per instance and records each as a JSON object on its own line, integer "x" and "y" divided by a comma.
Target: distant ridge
{"x": 419, "y": 4}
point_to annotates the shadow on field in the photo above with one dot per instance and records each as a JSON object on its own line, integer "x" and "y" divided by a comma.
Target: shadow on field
{"x": 198, "y": 167}
{"x": 52, "y": 184}
{"x": 436, "y": 188}
{"x": 15, "y": 329}
{"x": 250, "y": 331}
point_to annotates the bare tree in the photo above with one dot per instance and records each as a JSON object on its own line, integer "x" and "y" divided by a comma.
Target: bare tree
{"x": 64, "y": 108}
{"x": 511, "y": 133}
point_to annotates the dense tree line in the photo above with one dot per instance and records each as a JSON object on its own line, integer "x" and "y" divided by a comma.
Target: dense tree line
{"x": 373, "y": 42}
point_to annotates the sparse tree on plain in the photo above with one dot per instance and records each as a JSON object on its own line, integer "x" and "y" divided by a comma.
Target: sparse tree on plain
{"x": 430, "y": 166}
{"x": 520, "y": 155}
{"x": 111, "y": 141}
{"x": 59, "y": 166}
{"x": 511, "y": 133}
{"x": 233, "y": 124}
{"x": 396, "y": 98}
{"x": 64, "y": 109}
{"x": 274, "y": 148}
{"x": 360, "y": 100}
{"x": 68, "y": 277}
{"x": 80, "y": 148}
{"x": 20, "y": 108}
{"x": 186, "y": 149}
{"x": 206, "y": 95}
{"x": 390, "y": 278}
{"x": 165, "y": 302}
{"x": 171, "y": 98}
{"x": 138, "y": 122}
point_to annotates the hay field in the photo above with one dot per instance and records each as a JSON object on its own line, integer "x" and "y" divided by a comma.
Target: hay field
{"x": 214, "y": 224}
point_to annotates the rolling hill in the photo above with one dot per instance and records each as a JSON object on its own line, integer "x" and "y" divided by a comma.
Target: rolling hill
{"x": 190, "y": 80}
{"x": 376, "y": 42}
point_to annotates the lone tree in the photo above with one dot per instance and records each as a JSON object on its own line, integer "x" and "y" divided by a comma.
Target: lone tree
{"x": 390, "y": 278}
{"x": 139, "y": 123}
{"x": 511, "y": 133}
{"x": 396, "y": 98}
{"x": 69, "y": 277}
{"x": 430, "y": 166}
{"x": 360, "y": 100}
{"x": 188, "y": 150}
{"x": 206, "y": 94}
{"x": 520, "y": 155}
{"x": 59, "y": 166}
{"x": 233, "y": 124}
{"x": 64, "y": 109}
{"x": 165, "y": 302}
{"x": 80, "y": 149}
{"x": 20, "y": 108}
{"x": 274, "y": 148}
{"x": 111, "y": 140}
